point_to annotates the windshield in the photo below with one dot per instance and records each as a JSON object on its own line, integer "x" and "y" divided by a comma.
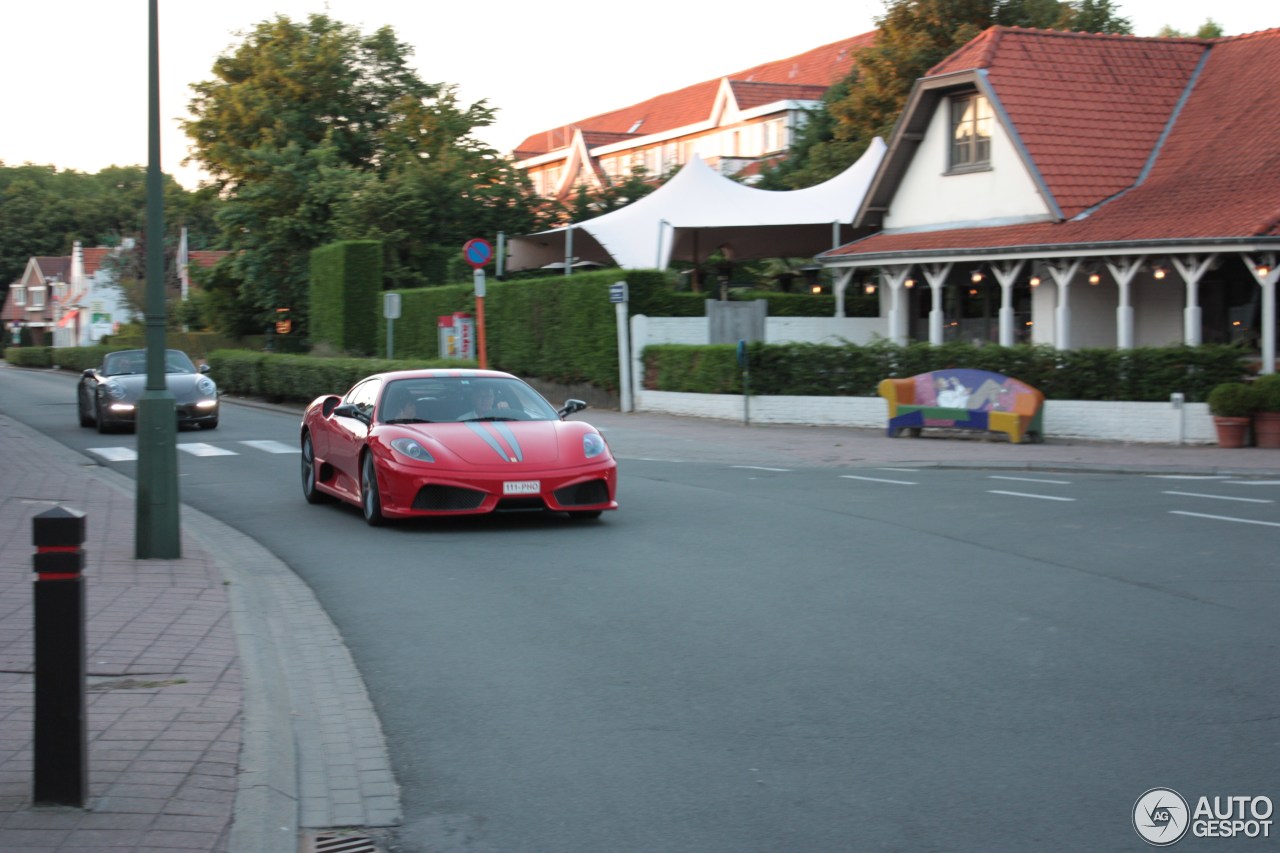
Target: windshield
{"x": 453, "y": 399}
{"x": 134, "y": 362}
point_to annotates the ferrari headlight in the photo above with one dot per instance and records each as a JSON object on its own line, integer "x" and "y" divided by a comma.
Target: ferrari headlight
{"x": 206, "y": 387}
{"x": 593, "y": 444}
{"x": 412, "y": 449}
{"x": 114, "y": 390}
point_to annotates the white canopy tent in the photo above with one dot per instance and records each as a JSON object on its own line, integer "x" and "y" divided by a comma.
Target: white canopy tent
{"x": 698, "y": 212}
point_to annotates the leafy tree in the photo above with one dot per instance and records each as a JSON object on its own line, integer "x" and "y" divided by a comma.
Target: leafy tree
{"x": 1097, "y": 16}
{"x": 439, "y": 188}
{"x": 315, "y": 132}
{"x": 1210, "y": 29}
{"x": 617, "y": 192}
{"x": 44, "y": 211}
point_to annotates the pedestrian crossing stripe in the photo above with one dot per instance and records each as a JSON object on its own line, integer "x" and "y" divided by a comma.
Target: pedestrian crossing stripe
{"x": 194, "y": 448}
{"x": 200, "y": 448}
{"x": 115, "y": 454}
{"x": 273, "y": 446}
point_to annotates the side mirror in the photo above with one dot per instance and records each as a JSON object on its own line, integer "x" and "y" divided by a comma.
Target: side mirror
{"x": 329, "y": 404}
{"x": 571, "y": 406}
{"x": 88, "y": 372}
{"x": 346, "y": 410}
{"x": 204, "y": 368}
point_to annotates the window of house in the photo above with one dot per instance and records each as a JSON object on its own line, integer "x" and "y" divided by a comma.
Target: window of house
{"x": 971, "y": 122}
{"x": 775, "y": 135}
{"x": 653, "y": 162}
{"x": 19, "y": 295}
{"x": 669, "y": 157}
{"x": 37, "y": 297}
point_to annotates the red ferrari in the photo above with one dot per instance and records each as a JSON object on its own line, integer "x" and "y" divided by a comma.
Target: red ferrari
{"x": 453, "y": 442}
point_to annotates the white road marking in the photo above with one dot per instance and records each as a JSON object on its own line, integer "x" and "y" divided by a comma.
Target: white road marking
{"x": 759, "y": 468}
{"x": 1027, "y": 495}
{"x": 273, "y": 446}
{"x": 908, "y": 470}
{"x": 879, "y": 480}
{"x": 1222, "y": 497}
{"x": 1030, "y": 480}
{"x": 199, "y": 448}
{"x": 115, "y": 454}
{"x": 1255, "y": 482}
{"x": 1225, "y": 518}
{"x": 1190, "y": 476}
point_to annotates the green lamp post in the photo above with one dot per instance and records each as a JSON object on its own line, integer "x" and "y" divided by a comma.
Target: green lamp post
{"x": 157, "y": 534}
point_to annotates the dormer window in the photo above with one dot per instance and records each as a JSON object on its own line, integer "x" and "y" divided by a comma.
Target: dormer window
{"x": 971, "y": 122}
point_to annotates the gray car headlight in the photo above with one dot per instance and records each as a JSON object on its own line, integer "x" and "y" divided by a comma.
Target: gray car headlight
{"x": 592, "y": 444}
{"x": 206, "y": 387}
{"x": 114, "y": 390}
{"x": 412, "y": 449}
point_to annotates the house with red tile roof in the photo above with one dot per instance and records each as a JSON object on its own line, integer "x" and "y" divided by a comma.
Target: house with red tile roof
{"x": 734, "y": 123}
{"x": 1080, "y": 190}
{"x": 31, "y": 302}
{"x": 75, "y": 300}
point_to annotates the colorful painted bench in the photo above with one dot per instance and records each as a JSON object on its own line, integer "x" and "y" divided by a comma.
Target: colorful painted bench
{"x": 965, "y": 399}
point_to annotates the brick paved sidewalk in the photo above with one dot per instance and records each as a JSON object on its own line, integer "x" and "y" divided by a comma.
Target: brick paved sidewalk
{"x": 164, "y": 691}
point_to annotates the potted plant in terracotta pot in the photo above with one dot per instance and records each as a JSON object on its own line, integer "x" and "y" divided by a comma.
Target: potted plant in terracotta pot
{"x": 1266, "y": 415}
{"x": 1232, "y": 405}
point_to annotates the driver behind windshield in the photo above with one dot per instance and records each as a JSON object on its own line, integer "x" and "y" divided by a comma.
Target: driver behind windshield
{"x": 482, "y": 403}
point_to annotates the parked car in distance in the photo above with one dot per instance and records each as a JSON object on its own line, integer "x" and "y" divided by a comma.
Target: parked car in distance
{"x": 107, "y": 395}
{"x": 444, "y": 442}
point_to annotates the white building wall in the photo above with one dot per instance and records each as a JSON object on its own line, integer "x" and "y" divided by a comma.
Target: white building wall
{"x": 1143, "y": 423}
{"x": 1157, "y": 311}
{"x": 1093, "y": 313}
{"x": 1151, "y": 423}
{"x": 927, "y": 196}
{"x": 824, "y": 330}
{"x": 1044, "y": 301}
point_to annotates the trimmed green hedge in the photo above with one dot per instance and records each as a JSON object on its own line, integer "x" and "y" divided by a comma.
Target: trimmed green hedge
{"x": 1143, "y": 374}
{"x": 558, "y": 328}
{"x": 344, "y": 299}
{"x": 285, "y": 378}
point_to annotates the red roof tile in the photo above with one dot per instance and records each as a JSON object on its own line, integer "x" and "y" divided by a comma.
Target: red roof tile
{"x": 813, "y": 71}
{"x": 205, "y": 257}
{"x": 1091, "y": 109}
{"x": 93, "y": 259}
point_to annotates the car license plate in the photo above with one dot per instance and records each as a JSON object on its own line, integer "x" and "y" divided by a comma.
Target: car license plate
{"x": 522, "y": 487}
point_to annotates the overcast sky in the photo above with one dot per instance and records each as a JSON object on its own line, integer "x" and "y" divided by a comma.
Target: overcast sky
{"x": 74, "y": 92}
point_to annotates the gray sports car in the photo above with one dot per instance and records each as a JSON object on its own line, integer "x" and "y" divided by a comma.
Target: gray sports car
{"x": 108, "y": 395}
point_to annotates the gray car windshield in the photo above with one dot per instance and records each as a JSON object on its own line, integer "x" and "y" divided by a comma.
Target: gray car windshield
{"x": 134, "y": 362}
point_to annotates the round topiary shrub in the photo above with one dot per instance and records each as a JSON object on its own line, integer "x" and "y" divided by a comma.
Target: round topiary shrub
{"x": 1266, "y": 392}
{"x": 1233, "y": 400}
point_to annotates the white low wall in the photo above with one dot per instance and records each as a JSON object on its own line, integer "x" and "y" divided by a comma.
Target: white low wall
{"x": 1153, "y": 423}
{"x": 1148, "y": 423}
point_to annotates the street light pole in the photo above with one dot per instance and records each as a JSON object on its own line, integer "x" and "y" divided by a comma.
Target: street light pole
{"x": 157, "y": 496}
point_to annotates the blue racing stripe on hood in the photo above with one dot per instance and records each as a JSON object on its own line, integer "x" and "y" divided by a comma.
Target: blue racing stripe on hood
{"x": 511, "y": 439}
{"x": 479, "y": 430}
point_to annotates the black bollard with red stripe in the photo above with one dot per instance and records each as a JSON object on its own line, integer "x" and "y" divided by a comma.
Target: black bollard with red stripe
{"x": 61, "y": 730}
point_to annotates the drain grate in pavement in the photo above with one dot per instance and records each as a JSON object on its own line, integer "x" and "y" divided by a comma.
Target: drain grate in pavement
{"x": 337, "y": 842}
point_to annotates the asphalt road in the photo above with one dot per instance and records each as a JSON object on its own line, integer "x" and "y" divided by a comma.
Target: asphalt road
{"x": 759, "y": 658}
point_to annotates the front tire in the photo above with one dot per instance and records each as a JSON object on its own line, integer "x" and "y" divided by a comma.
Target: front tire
{"x": 103, "y": 429}
{"x": 309, "y": 490}
{"x": 370, "y": 502}
{"x": 86, "y": 420}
